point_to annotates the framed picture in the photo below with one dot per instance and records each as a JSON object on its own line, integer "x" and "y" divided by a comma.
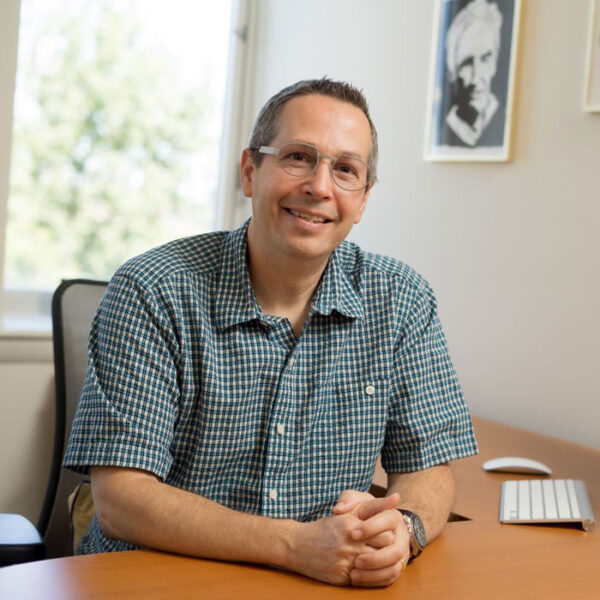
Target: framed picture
{"x": 591, "y": 95}
{"x": 472, "y": 79}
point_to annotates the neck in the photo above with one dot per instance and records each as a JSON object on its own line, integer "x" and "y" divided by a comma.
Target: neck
{"x": 284, "y": 286}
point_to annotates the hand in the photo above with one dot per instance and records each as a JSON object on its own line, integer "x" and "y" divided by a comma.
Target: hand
{"x": 350, "y": 499}
{"x": 382, "y": 566}
{"x": 327, "y": 549}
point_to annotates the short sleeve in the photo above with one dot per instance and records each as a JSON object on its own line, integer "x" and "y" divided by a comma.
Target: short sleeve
{"x": 128, "y": 407}
{"x": 429, "y": 422}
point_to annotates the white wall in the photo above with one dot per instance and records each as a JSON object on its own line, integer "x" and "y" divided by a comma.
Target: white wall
{"x": 512, "y": 249}
{"x": 26, "y": 431}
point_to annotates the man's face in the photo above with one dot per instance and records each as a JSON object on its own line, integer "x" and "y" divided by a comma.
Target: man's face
{"x": 476, "y": 61}
{"x": 307, "y": 217}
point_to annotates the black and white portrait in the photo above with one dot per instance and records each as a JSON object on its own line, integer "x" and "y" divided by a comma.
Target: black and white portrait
{"x": 472, "y": 80}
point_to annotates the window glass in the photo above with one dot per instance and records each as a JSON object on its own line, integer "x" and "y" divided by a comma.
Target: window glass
{"x": 117, "y": 124}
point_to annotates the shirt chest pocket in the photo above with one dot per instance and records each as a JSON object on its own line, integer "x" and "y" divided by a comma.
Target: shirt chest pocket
{"x": 357, "y": 411}
{"x": 349, "y": 433}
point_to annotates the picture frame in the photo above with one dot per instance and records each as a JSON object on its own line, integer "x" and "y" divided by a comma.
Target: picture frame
{"x": 591, "y": 92}
{"x": 472, "y": 74}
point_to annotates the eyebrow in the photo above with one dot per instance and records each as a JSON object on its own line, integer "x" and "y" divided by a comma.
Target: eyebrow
{"x": 344, "y": 153}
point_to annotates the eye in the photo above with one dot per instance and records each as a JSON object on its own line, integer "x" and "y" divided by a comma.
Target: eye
{"x": 347, "y": 169}
{"x": 297, "y": 156}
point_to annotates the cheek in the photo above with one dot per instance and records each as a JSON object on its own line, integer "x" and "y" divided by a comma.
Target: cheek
{"x": 489, "y": 72}
{"x": 352, "y": 213}
{"x": 465, "y": 74}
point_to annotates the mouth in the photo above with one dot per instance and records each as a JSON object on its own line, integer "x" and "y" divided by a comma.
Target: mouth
{"x": 307, "y": 217}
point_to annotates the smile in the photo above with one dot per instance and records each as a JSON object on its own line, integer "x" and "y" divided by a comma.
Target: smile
{"x": 307, "y": 217}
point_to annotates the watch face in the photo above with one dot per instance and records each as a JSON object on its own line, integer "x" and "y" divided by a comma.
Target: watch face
{"x": 419, "y": 531}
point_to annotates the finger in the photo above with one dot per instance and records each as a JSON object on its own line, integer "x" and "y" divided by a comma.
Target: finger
{"x": 381, "y": 558}
{"x": 381, "y": 540}
{"x": 350, "y": 499}
{"x": 376, "y": 578}
{"x": 377, "y": 505}
{"x": 383, "y": 521}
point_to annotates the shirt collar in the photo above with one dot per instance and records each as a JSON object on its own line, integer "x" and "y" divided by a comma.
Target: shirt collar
{"x": 336, "y": 290}
{"x": 235, "y": 299}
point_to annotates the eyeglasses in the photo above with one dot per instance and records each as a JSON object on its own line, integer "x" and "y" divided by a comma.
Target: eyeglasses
{"x": 301, "y": 160}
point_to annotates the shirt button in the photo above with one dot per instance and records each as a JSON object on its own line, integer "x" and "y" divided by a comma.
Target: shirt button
{"x": 370, "y": 390}
{"x": 281, "y": 429}
{"x": 292, "y": 362}
{"x": 273, "y": 494}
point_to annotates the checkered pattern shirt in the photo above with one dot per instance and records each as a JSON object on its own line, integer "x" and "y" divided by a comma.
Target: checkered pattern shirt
{"x": 189, "y": 379}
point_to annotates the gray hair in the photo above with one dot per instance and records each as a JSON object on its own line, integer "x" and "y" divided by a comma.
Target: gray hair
{"x": 477, "y": 12}
{"x": 266, "y": 126}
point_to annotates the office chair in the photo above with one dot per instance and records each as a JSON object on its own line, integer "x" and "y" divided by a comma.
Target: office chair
{"x": 74, "y": 304}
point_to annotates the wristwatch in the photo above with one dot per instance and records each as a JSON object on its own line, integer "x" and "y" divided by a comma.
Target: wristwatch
{"x": 418, "y": 539}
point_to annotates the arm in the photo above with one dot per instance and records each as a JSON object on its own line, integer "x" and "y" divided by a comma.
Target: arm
{"x": 137, "y": 507}
{"x": 428, "y": 493}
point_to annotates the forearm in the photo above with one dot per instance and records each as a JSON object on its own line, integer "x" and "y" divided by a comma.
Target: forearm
{"x": 428, "y": 493}
{"x": 136, "y": 507}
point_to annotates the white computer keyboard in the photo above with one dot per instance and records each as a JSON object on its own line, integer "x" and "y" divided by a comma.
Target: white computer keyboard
{"x": 546, "y": 501}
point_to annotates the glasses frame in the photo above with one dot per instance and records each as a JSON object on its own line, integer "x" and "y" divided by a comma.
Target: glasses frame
{"x": 273, "y": 151}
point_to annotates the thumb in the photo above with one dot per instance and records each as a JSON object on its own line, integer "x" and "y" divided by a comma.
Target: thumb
{"x": 348, "y": 500}
{"x": 369, "y": 509}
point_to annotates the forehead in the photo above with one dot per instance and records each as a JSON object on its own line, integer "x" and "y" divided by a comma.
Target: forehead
{"x": 477, "y": 39}
{"x": 332, "y": 125}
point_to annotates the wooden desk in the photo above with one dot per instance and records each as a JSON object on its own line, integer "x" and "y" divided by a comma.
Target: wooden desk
{"x": 474, "y": 559}
{"x": 478, "y": 492}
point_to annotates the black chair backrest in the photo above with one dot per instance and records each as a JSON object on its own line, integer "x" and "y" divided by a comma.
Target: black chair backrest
{"x": 73, "y": 307}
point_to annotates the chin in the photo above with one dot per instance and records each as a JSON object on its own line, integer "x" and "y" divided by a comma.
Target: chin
{"x": 309, "y": 251}
{"x": 479, "y": 103}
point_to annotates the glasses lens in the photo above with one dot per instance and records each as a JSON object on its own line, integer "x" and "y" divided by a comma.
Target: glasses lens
{"x": 349, "y": 172}
{"x": 298, "y": 159}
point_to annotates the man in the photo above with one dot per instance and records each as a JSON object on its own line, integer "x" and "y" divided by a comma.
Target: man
{"x": 242, "y": 385}
{"x": 472, "y": 47}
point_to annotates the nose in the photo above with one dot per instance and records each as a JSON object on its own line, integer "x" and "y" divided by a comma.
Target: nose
{"x": 320, "y": 183}
{"x": 477, "y": 71}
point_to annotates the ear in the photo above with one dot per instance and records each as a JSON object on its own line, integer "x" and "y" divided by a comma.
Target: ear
{"x": 247, "y": 169}
{"x": 363, "y": 205}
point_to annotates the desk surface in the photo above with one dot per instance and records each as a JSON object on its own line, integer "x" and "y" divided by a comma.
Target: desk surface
{"x": 477, "y": 558}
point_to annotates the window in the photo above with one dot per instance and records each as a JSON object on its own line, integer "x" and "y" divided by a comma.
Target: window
{"x": 117, "y": 128}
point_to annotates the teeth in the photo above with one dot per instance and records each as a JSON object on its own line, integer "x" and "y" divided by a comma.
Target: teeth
{"x": 306, "y": 217}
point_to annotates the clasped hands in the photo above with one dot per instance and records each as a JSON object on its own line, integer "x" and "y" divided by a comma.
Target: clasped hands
{"x": 364, "y": 543}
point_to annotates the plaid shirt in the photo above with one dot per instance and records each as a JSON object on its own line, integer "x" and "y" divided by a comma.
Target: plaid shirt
{"x": 190, "y": 380}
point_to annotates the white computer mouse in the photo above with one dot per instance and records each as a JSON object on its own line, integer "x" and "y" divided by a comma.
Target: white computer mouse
{"x": 517, "y": 464}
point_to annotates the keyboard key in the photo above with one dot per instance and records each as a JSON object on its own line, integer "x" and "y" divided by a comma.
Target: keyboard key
{"x": 510, "y": 500}
{"x": 537, "y": 502}
{"x": 562, "y": 499}
{"x": 524, "y": 500}
{"x": 573, "y": 499}
{"x": 549, "y": 499}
